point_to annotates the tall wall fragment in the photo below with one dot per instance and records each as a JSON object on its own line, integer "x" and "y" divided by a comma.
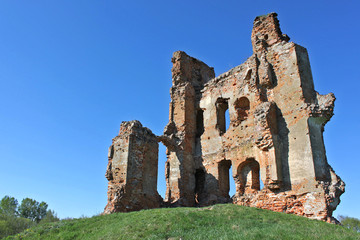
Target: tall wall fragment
{"x": 273, "y": 143}
{"x": 181, "y": 135}
{"x": 132, "y": 170}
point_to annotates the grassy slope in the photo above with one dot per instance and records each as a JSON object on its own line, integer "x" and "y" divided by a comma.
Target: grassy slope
{"x": 218, "y": 222}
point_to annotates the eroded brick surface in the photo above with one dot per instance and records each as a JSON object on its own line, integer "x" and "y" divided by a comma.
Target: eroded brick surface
{"x": 273, "y": 143}
{"x": 132, "y": 170}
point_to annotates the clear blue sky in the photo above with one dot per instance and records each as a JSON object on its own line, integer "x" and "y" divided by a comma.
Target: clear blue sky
{"x": 71, "y": 71}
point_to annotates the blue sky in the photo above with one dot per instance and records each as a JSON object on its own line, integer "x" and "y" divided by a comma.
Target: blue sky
{"x": 72, "y": 71}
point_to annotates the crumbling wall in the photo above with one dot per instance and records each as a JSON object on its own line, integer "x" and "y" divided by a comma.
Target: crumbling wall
{"x": 181, "y": 134}
{"x": 132, "y": 170}
{"x": 274, "y": 142}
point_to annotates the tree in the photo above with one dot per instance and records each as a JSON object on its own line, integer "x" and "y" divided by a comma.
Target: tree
{"x": 50, "y": 217}
{"x": 14, "y": 219}
{"x": 8, "y": 206}
{"x": 351, "y": 223}
{"x": 32, "y": 209}
{"x": 10, "y": 225}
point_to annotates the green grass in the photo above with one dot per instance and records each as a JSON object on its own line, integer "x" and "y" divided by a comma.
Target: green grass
{"x": 225, "y": 221}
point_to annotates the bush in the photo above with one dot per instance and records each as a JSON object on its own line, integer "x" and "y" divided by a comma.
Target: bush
{"x": 10, "y": 225}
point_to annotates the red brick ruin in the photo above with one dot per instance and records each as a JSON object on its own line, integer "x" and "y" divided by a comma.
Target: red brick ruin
{"x": 275, "y": 137}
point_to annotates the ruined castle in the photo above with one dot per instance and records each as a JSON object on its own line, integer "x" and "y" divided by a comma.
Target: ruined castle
{"x": 275, "y": 136}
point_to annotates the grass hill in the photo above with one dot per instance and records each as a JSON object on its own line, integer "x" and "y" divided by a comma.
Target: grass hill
{"x": 225, "y": 221}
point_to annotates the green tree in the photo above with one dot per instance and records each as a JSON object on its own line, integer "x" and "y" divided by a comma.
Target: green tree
{"x": 15, "y": 219}
{"x": 351, "y": 223}
{"x": 50, "y": 217}
{"x": 8, "y": 206}
{"x": 32, "y": 209}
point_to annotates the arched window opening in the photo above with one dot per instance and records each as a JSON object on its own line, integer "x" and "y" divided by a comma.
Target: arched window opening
{"x": 199, "y": 184}
{"x": 242, "y": 107}
{"x": 221, "y": 110}
{"x": 249, "y": 174}
{"x": 224, "y": 177}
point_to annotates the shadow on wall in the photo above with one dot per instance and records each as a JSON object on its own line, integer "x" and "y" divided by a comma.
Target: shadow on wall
{"x": 283, "y": 150}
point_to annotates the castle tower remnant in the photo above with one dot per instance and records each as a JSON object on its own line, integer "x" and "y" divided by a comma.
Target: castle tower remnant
{"x": 274, "y": 142}
{"x": 132, "y": 170}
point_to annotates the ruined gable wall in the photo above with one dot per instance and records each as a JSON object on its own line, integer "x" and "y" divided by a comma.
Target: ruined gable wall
{"x": 279, "y": 133}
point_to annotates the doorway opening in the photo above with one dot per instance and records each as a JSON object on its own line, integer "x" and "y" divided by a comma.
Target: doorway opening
{"x": 161, "y": 181}
{"x": 199, "y": 184}
{"x": 232, "y": 190}
{"x": 224, "y": 177}
{"x": 249, "y": 174}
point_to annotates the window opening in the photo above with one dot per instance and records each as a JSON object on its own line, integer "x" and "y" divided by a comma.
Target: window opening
{"x": 248, "y": 74}
{"x": 227, "y": 120}
{"x": 242, "y": 107}
{"x": 221, "y": 107}
{"x": 199, "y": 123}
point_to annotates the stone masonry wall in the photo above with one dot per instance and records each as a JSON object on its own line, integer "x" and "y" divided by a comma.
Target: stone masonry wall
{"x": 132, "y": 170}
{"x": 274, "y": 142}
